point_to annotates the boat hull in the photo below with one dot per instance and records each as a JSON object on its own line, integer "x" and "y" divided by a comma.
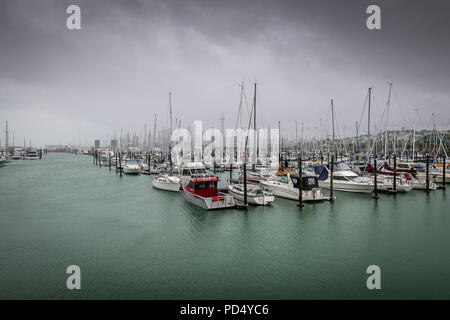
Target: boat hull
{"x": 131, "y": 170}
{"x": 440, "y": 178}
{"x": 420, "y": 185}
{"x": 166, "y": 185}
{"x": 261, "y": 200}
{"x": 347, "y": 186}
{"x": 287, "y": 192}
{"x": 220, "y": 202}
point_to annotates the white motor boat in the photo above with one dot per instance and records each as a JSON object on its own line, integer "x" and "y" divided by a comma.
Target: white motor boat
{"x": 131, "y": 167}
{"x": 288, "y": 187}
{"x": 17, "y": 155}
{"x": 32, "y": 155}
{"x": 255, "y": 194}
{"x": 386, "y": 183}
{"x": 166, "y": 182}
{"x": 192, "y": 169}
{"x": 344, "y": 179}
{"x": 2, "y": 161}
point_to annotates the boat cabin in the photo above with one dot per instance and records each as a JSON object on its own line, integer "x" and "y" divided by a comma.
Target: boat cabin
{"x": 193, "y": 168}
{"x": 308, "y": 182}
{"x": 205, "y": 187}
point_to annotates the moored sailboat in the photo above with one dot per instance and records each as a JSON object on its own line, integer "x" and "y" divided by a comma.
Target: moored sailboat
{"x": 255, "y": 194}
{"x": 166, "y": 182}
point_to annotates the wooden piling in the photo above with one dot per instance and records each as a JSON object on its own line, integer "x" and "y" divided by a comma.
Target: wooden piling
{"x": 375, "y": 189}
{"x": 300, "y": 185}
{"x": 443, "y": 172}
{"x": 245, "y": 180}
{"x": 120, "y": 164}
{"x": 331, "y": 177}
{"x": 427, "y": 187}
{"x": 395, "y": 173}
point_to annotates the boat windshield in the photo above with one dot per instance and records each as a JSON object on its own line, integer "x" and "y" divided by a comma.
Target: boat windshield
{"x": 198, "y": 171}
{"x": 341, "y": 166}
{"x": 131, "y": 162}
{"x": 419, "y": 167}
{"x": 365, "y": 180}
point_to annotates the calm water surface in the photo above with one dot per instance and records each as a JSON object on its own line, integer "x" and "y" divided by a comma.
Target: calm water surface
{"x": 133, "y": 241}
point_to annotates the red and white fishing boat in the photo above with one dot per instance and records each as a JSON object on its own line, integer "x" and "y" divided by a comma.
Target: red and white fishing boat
{"x": 202, "y": 191}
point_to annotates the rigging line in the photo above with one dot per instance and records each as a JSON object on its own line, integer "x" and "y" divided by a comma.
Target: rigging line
{"x": 362, "y": 114}
{"x": 430, "y": 122}
{"x": 382, "y": 116}
{"x": 259, "y": 116}
{"x": 327, "y": 118}
{"x": 240, "y": 106}
{"x": 339, "y": 130}
{"x": 420, "y": 118}
{"x": 246, "y": 134}
{"x": 399, "y": 106}
{"x": 246, "y": 104}
{"x": 376, "y": 103}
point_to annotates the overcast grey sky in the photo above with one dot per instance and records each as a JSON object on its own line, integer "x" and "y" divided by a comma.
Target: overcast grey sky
{"x": 116, "y": 72}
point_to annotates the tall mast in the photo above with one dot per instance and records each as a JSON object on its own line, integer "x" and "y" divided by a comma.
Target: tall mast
{"x": 154, "y": 134}
{"x": 170, "y": 111}
{"x": 145, "y": 136}
{"x": 168, "y": 143}
{"x": 6, "y": 140}
{"x": 332, "y": 118}
{"x": 254, "y": 132}
{"x": 414, "y": 136}
{"x": 240, "y": 106}
{"x": 387, "y": 119}
{"x": 302, "y": 147}
{"x": 434, "y": 135}
{"x": 357, "y": 139}
{"x": 280, "y": 146}
{"x": 368, "y": 120}
{"x": 121, "y": 140}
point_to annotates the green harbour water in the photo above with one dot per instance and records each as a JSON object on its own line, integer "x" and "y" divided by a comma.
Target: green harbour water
{"x": 132, "y": 241}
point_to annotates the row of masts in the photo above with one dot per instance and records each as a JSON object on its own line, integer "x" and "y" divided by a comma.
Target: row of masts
{"x": 379, "y": 141}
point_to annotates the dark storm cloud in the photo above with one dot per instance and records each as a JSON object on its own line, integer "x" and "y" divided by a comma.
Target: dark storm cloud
{"x": 116, "y": 71}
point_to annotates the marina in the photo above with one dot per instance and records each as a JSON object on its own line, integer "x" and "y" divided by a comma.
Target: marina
{"x": 135, "y": 241}
{"x": 220, "y": 151}
{"x": 154, "y": 217}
